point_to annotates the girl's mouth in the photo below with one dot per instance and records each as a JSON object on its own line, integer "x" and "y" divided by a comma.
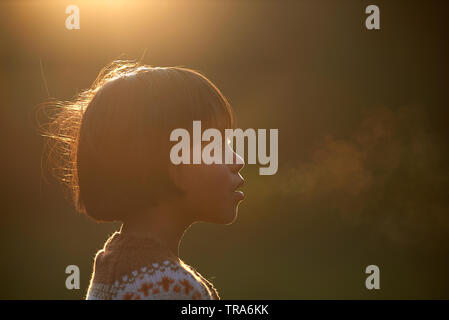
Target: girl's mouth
{"x": 239, "y": 195}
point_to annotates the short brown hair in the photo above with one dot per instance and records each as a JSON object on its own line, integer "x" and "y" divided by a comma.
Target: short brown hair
{"x": 111, "y": 143}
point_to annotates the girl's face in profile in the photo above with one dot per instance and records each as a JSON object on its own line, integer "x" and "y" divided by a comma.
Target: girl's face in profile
{"x": 211, "y": 191}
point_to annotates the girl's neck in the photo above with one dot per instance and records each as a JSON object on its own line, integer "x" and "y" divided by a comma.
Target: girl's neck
{"x": 162, "y": 223}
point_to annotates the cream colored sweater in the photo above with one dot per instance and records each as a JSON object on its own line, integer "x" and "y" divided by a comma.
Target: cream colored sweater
{"x": 142, "y": 268}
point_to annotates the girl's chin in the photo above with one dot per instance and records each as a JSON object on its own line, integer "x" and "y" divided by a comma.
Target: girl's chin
{"x": 227, "y": 217}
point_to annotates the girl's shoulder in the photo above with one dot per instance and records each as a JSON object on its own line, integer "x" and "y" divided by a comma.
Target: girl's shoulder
{"x": 138, "y": 268}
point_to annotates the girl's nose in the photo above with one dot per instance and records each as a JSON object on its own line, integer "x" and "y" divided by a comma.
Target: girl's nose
{"x": 237, "y": 164}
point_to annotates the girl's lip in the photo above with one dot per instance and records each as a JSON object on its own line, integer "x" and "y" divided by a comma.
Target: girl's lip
{"x": 241, "y": 183}
{"x": 239, "y": 195}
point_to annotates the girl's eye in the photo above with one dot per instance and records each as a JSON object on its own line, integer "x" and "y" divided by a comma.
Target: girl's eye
{"x": 228, "y": 141}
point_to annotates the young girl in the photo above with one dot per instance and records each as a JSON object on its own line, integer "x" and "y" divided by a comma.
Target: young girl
{"x": 114, "y": 139}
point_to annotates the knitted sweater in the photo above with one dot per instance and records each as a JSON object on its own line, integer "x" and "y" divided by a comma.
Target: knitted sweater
{"x": 142, "y": 268}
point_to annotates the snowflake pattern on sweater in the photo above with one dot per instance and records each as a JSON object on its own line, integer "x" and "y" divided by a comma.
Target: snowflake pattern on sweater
{"x": 159, "y": 279}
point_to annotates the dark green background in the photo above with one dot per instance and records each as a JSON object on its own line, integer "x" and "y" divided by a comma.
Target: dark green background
{"x": 363, "y": 158}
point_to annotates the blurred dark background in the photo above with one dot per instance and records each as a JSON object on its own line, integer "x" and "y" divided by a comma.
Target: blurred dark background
{"x": 363, "y": 160}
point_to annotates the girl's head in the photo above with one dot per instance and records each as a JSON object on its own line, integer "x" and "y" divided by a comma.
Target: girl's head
{"x": 113, "y": 140}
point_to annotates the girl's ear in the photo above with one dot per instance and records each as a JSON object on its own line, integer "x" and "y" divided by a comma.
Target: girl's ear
{"x": 176, "y": 174}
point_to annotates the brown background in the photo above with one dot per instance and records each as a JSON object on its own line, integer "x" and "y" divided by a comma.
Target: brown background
{"x": 363, "y": 158}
